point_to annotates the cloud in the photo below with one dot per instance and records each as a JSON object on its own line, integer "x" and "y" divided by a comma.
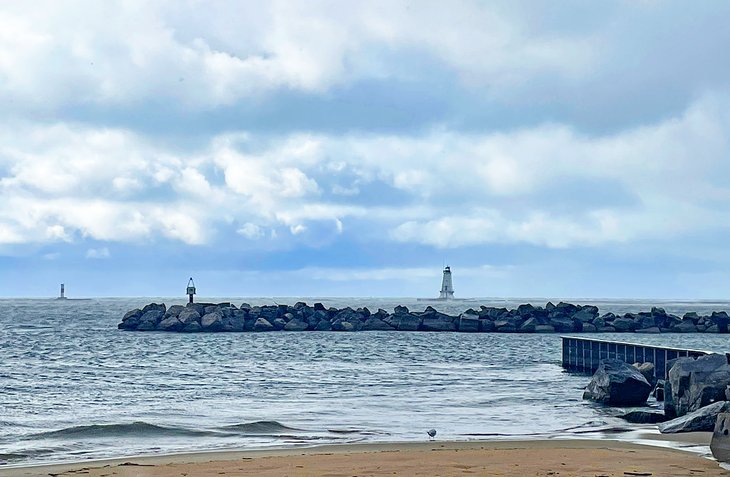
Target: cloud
{"x": 203, "y": 57}
{"x": 98, "y": 253}
{"x": 548, "y": 185}
{"x": 251, "y": 231}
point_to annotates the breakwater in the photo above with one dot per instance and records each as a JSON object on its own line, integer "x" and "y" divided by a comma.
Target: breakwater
{"x": 583, "y": 354}
{"x": 526, "y": 318}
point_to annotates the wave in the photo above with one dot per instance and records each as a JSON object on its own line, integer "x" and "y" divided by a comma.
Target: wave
{"x": 137, "y": 429}
{"x": 11, "y": 457}
{"x": 260, "y": 428}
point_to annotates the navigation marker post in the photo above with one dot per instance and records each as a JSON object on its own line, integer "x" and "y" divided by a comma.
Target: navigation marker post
{"x": 191, "y": 289}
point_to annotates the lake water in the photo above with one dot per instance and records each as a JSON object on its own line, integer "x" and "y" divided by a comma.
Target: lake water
{"x": 73, "y": 387}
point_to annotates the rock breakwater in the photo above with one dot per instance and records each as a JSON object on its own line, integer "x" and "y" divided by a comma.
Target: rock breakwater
{"x": 561, "y": 318}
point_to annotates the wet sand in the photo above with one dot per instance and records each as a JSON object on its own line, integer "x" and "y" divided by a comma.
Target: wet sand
{"x": 495, "y": 458}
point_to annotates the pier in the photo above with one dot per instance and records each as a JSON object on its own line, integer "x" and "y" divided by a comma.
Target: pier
{"x": 583, "y": 354}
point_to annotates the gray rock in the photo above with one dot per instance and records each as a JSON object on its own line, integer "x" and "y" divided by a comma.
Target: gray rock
{"x": 192, "y": 327}
{"x": 262, "y": 324}
{"x": 702, "y": 419}
{"x": 131, "y": 320}
{"x": 563, "y": 325}
{"x": 648, "y": 370}
{"x": 586, "y": 314}
{"x": 406, "y": 322}
{"x": 323, "y": 325}
{"x": 623, "y": 324}
{"x": 209, "y": 309}
{"x": 212, "y": 321}
{"x": 437, "y": 322}
{"x": 150, "y": 319}
{"x": 644, "y": 417}
{"x": 296, "y": 325}
{"x": 154, "y": 307}
{"x": 339, "y": 325}
{"x": 469, "y": 322}
{"x": 589, "y": 328}
{"x": 376, "y": 324}
{"x": 617, "y": 383}
{"x": 188, "y": 315}
{"x": 529, "y": 325}
{"x": 486, "y": 326}
{"x": 278, "y": 323}
{"x": 686, "y": 326}
{"x": 174, "y": 310}
{"x": 720, "y": 443}
{"x": 652, "y": 330}
{"x": 695, "y": 383}
{"x": 136, "y": 313}
{"x": 544, "y": 329}
{"x": 171, "y": 323}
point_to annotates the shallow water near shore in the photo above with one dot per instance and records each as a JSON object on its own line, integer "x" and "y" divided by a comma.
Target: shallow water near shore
{"x": 74, "y": 387}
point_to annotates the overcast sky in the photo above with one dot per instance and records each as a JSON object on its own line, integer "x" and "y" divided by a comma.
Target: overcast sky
{"x": 542, "y": 149}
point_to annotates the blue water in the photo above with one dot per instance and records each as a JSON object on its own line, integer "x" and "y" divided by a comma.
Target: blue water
{"x": 73, "y": 387}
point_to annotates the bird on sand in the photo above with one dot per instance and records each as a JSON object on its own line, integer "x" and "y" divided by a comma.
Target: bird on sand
{"x": 431, "y": 433}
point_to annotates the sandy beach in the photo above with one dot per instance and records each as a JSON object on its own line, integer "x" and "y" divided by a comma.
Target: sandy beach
{"x": 497, "y": 458}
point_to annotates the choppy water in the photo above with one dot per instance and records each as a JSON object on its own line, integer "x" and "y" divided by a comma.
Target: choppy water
{"x": 74, "y": 387}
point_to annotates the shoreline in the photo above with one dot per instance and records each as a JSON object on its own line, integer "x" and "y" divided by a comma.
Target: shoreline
{"x": 645, "y": 449}
{"x": 694, "y": 444}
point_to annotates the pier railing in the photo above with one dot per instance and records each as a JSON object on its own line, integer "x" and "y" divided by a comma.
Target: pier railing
{"x": 581, "y": 354}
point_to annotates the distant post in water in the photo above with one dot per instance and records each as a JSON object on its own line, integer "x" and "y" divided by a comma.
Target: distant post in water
{"x": 63, "y": 291}
{"x": 191, "y": 289}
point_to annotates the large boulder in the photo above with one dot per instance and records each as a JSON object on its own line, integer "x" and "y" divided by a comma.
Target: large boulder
{"x": 341, "y": 325}
{"x": 623, "y": 324}
{"x": 323, "y": 325}
{"x": 686, "y": 326}
{"x": 212, "y": 321}
{"x": 720, "y": 443}
{"x": 189, "y": 315}
{"x": 131, "y": 320}
{"x": 695, "y": 383}
{"x": 174, "y": 310}
{"x": 234, "y": 320}
{"x": 644, "y": 417}
{"x": 154, "y": 307}
{"x": 262, "y": 324}
{"x": 171, "y": 323}
{"x": 586, "y": 314}
{"x": 529, "y": 325}
{"x": 702, "y": 419}
{"x": 192, "y": 327}
{"x": 438, "y": 322}
{"x": 469, "y": 322}
{"x": 150, "y": 319}
{"x": 296, "y": 325}
{"x": 406, "y": 322}
{"x": 648, "y": 370}
{"x": 375, "y": 323}
{"x": 617, "y": 383}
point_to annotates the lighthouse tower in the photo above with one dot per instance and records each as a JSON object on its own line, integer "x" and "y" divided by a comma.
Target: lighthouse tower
{"x": 447, "y": 287}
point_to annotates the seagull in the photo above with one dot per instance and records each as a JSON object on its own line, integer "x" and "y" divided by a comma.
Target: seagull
{"x": 431, "y": 433}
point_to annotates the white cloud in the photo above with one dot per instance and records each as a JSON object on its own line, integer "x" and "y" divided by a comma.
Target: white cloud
{"x": 251, "y": 231}
{"x": 547, "y": 185}
{"x": 98, "y": 253}
{"x": 203, "y": 56}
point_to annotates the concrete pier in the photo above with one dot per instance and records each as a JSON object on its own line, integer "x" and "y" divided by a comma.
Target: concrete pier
{"x": 582, "y": 354}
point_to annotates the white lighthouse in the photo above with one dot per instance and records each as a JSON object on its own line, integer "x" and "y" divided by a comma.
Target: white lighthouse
{"x": 447, "y": 287}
